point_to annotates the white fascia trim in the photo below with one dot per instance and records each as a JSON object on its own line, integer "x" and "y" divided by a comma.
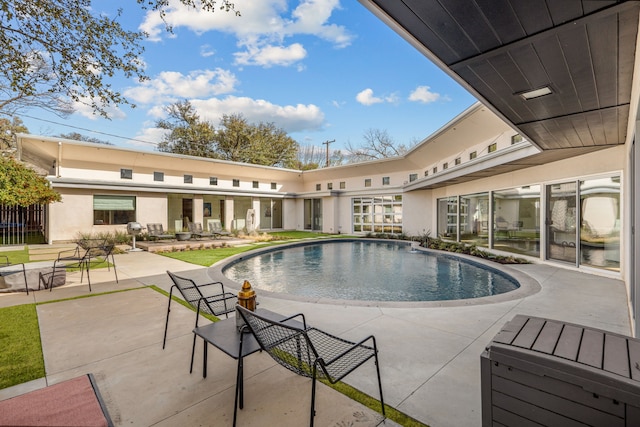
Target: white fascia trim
{"x": 68, "y": 183}
{"x": 500, "y": 157}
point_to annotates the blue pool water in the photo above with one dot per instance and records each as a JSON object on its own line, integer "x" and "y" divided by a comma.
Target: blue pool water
{"x": 368, "y": 271}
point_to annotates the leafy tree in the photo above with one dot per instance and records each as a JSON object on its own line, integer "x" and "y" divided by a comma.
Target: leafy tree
{"x": 187, "y": 134}
{"x": 261, "y": 144}
{"x": 8, "y": 131}
{"x": 21, "y": 186}
{"x": 377, "y": 145}
{"x": 79, "y": 137}
{"x": 57, "y": 52}
{"x": 234, "y": 140}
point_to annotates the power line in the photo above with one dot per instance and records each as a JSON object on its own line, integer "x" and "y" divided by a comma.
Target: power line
{"x": 83, "y": 129}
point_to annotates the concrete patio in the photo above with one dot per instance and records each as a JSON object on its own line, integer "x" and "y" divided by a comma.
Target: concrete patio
{"x": 430, "y": 356}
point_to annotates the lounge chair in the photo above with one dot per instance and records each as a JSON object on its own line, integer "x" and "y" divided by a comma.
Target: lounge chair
{"x": 215, "y": 228}
{"x": 196, "y": 230}
{"x": 310, "y": 352}
{"x": 156, "y": 232}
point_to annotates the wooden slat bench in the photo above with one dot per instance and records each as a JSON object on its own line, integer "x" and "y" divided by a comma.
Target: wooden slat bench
{"x": 548, "y": 373}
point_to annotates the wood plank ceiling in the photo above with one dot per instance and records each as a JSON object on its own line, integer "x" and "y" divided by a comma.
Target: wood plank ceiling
{"x": 582, "y": 50}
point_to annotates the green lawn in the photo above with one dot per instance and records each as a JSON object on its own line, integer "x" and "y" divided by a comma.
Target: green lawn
{"x": 15, "y": 257}
{"x": 21, "y": 355}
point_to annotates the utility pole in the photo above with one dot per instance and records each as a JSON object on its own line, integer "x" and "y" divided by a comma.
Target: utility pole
{"x": 327, "y": 144}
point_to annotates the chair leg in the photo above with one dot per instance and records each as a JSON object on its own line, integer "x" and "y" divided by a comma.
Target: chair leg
{"x": 88, "y": 278}
{"x": 313, "y": 396}
{"x": 379, "y": 381}
{"x": 26, "y": 285}
{"x": 193, "y": 352}
{"x": 166, "y": 323}
{"x": 114, "y": 266}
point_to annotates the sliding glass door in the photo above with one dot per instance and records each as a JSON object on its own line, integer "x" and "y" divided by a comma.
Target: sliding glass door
{"x": 561, "y": 219}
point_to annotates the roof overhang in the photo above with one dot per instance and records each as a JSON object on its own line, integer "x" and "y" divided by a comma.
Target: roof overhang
{"x": 582, "y": 53}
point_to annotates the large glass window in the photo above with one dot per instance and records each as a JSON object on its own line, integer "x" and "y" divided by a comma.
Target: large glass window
{"x": 313, "y": 214}
{"x": 516, "y": 220}
{"x": 474, "y": 219}
{"x": 380, "y": 214}
{"x": 448, "y": 218}
{"x": 270, "y": 213}
{"x": 241, "y": 206}
{"x": 600, "y": 222}
{"x": 113, "y": 209}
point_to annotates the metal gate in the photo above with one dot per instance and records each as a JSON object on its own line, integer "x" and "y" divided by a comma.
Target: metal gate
{"x": 22, "y": 225}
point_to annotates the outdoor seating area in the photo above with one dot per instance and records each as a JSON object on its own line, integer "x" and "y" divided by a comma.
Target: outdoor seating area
{"x": 427, "y": 354}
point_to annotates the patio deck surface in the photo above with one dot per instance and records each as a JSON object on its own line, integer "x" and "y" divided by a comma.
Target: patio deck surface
{"x": 430, "y": 357}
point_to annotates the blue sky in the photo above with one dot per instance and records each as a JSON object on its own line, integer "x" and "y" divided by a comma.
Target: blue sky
{"x": 320, "y": 69}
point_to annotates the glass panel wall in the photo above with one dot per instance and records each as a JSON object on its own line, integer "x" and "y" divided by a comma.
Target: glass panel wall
{"x": 381, "y": 214}
{"x": 448, "y": 218}
{"x": 561, "y": 221}
{"x": 313, "y": 214}
{"x": 474, "y": 219}
{"x": 600, "y": 222}
{"x": 270, "y": 213}
{"x": 240, "y": 207}
{"x": 516, "y": 224}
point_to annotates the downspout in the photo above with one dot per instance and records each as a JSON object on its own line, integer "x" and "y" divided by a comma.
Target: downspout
{"x": 59, "y": 159}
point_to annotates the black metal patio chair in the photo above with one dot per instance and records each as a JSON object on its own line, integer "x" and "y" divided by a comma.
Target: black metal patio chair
{"x": 4, "y": 269}
{"x": 311, "y": 352}
{"x": 216, "y": 304}
{"x": 101, "y": 254}
{"x": 79, "y": 258}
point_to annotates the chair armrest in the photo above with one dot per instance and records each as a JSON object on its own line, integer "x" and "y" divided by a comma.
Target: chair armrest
{"x": 304, "y": 321}
{"x": 219, "y": 297}
{"x": 5, "y": 262}
{"x": 75, "y": 253}
{"x": 212, "y": 283}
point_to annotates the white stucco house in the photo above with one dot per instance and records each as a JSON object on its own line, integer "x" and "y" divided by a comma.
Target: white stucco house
{"x": 543, "y": 166}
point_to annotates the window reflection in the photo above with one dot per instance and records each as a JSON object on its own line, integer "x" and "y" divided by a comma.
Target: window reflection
{"x": 600, "y": 222}
{"x": 474, "y": 219}
{"x": 516, "y": 220}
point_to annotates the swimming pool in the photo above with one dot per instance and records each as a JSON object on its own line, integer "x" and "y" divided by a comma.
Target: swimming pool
{"x": 365, "y": 270}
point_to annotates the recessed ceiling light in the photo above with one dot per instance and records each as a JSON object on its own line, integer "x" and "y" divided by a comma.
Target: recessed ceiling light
{"x": 536, "y": 93}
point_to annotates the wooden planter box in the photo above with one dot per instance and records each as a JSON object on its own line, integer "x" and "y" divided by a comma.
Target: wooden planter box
{"x": 545, "y": 372}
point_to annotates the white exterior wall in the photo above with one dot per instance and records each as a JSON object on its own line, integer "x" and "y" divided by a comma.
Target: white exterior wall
{"x": 74, "y": 214}
{"x": 417, "y": 208}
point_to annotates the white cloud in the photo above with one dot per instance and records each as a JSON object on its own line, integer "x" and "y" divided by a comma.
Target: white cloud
{"x": 83, "y": 108}
{"x": 149, "y": 136}
{"x": 206, "y": 51}
{"x": 291, "y": 118}
{"x": 168, "y": 86}
{"x": 424, "y": 95}
{"x": 366, "y": 97}
{"x": 268, "y": 56}
{"x": 261, "y": 28}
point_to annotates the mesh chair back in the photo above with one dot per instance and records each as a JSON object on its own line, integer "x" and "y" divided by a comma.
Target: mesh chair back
{"x": 287, "y": 345}
{"x": 215, "y": 305}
